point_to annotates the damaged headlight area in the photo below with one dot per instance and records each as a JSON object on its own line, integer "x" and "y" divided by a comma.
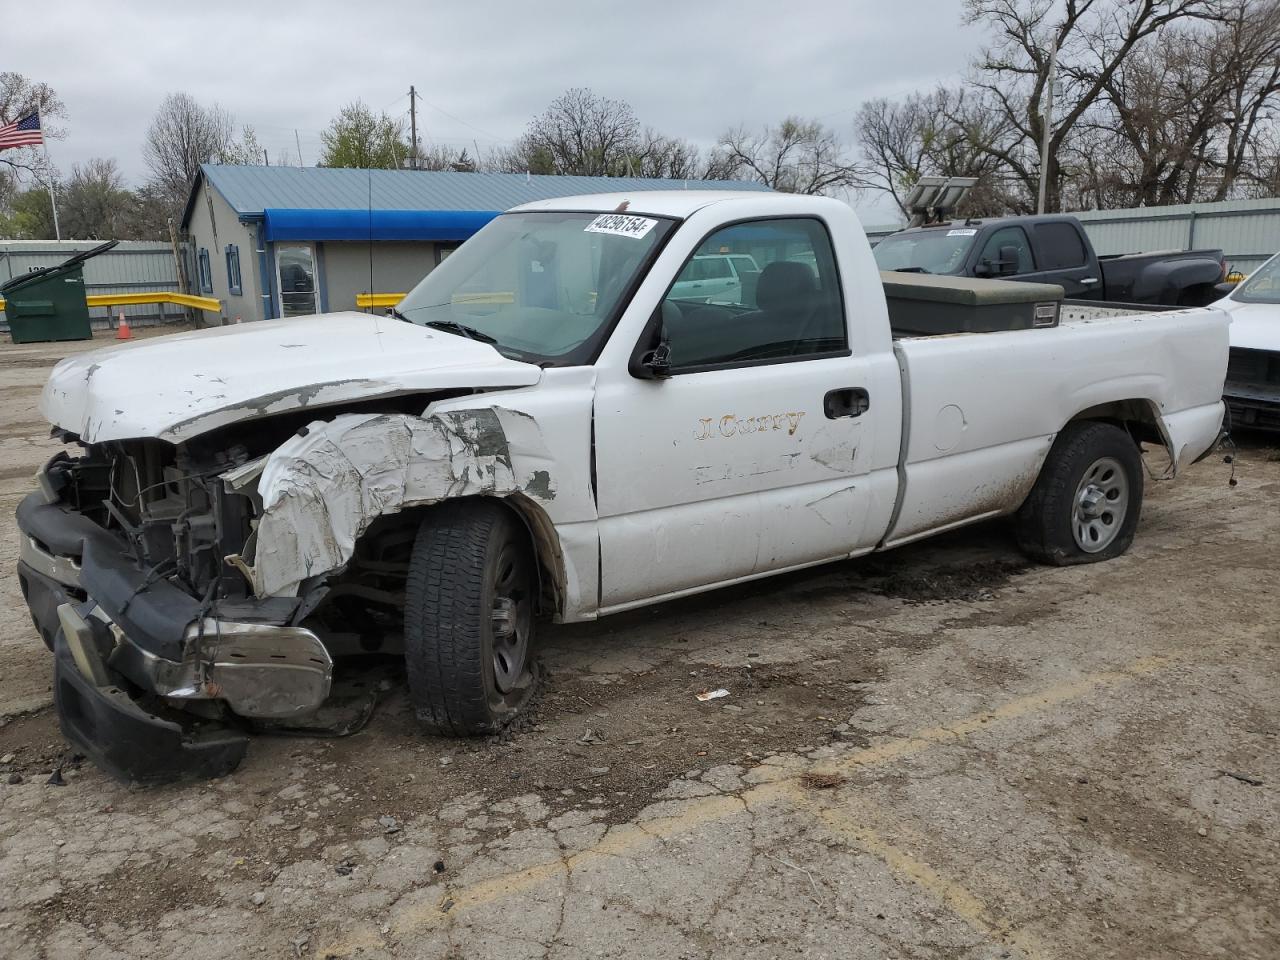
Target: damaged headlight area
{"x": 136, "y": 562}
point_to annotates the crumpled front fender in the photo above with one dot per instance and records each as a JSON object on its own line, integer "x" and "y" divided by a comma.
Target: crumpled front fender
{"x": 323, "y": 487}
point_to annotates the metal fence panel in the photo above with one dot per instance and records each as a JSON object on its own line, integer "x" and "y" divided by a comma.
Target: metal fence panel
{"x": 133, "y": 266}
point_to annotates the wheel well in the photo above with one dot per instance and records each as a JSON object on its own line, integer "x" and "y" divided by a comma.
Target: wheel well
{"x": 1136, "y": 417}
{"x": 542, "y": 540}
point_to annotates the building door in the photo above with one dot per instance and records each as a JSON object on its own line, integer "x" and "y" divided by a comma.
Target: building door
{"x": 296, "y": 274}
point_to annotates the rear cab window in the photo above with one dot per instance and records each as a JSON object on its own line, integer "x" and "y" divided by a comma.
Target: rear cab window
{"x": 1061, "y": 247}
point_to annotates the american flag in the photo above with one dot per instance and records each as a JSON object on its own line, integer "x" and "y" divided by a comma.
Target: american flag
{"x": 21, "y": 133}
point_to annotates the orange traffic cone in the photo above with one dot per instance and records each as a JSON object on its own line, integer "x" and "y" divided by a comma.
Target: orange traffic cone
{"x": 122, "y": 328}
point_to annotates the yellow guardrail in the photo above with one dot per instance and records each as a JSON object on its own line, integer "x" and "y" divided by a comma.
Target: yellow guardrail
{"x": 378, "y": 299}
{"x": 392, "y": 299}
{"x": 158, "y": 296}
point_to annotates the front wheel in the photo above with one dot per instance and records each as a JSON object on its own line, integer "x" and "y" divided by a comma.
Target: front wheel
{"x": 469, "y": 619}
{"x": 1087, "y": 500}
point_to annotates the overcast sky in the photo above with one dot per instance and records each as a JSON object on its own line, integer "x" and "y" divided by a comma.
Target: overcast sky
{"x": 690, "y": 69}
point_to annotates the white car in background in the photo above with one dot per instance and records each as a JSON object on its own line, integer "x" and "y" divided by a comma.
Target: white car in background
{"x": 1252, "y": 389}
{"x": 718, "y": 278}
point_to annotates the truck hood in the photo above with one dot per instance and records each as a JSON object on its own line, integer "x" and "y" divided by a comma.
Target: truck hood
{"x": 180, "y": 386}
{"x": 1254, "y": 326}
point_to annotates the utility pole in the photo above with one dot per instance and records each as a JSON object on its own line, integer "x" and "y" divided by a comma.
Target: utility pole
{"x": 413, "y": 126}
{"x": 1050, "y": 82}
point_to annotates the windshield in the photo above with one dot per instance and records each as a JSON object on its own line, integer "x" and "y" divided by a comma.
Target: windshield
{"x": 1263, "y": 285}
{"x": 935, "y": 250}
{"x": 545, "y": 287}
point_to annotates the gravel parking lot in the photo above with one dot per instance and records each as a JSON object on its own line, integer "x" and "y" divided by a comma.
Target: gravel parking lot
{"x": 937, "y": 752}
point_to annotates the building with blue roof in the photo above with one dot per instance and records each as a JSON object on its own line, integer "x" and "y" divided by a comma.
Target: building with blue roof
{"x": 290, "y": 241}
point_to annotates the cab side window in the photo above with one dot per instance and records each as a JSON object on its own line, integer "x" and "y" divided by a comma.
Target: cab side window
{"x": 1014, "y": 237}
{"x": 788, "y": 308}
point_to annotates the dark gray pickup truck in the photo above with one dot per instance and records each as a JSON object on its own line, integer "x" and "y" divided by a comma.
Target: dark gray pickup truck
{"x": 1054, "y": 249}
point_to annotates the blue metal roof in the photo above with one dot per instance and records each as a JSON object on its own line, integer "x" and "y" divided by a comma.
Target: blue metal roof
{"x": 252, "y": 190}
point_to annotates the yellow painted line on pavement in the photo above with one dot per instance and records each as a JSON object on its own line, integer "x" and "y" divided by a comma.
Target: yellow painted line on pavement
{"x": 627, "y": 839}
{"x": 854, "y": 827}
{"x": 1014, "y": 709}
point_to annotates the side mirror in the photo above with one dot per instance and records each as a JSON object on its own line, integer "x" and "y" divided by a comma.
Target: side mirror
{"x": 984, "y": 269}
{"x": 1008, "y": 260}
{"x": 657, "y": 362}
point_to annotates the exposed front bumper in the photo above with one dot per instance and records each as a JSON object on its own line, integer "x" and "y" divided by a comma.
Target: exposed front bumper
{"x": 1252, "y": 390}
{"x": 129, "y": 647}
{"x": 1253, "y": 406}
{"x": 118, "y": 734}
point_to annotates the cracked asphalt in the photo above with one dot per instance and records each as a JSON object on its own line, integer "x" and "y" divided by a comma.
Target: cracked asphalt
{"x": 939, "y": 752}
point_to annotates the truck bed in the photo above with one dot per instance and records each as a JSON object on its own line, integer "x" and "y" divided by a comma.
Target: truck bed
{"x": 981, "y": 411}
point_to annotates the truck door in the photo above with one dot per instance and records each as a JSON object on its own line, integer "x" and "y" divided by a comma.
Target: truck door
{"x": 750, "y": 456}
{"x": 1064, "y": 257}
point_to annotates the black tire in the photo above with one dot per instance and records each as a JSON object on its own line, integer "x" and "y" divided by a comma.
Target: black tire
{"x": 1048, "y": 526}
{"x": 470, "y": 559}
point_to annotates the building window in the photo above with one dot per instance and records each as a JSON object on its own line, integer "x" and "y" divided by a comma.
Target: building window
{"x": 233, "y": 269}
{"x": 206, "y": 274}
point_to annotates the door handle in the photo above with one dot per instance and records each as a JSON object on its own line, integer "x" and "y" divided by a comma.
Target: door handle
{"x": 849, "y": 402}
{"x": 1089, "y": 280}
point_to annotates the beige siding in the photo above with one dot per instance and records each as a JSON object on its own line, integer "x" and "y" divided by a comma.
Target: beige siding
{"x": 397, "y": 268}
{"x": 214, "y": 225}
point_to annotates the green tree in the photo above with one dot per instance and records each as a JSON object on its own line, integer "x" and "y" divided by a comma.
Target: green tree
{"x": 245, "y": 152}
{"x": 93, "y": 203}
{"x": 29, "y": 215}
{"x": 357, "y": 137}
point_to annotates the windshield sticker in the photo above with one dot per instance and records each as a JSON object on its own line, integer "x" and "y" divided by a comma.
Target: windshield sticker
{"x": 620, "y": 225}
{"x": 962, "y": 233}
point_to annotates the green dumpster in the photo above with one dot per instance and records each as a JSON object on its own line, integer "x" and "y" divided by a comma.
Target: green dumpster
{"x": 49, "y": 304}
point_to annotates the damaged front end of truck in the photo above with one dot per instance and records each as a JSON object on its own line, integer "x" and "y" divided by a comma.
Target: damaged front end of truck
{"x": 197, "y": 576}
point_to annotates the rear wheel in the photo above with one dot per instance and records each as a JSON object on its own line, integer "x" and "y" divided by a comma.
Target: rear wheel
{"x": 469, "y": 619}
{"x": 1086, "y": 503}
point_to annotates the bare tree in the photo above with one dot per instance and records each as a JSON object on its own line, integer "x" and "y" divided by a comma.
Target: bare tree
{"x": 1159, "y": 101}
{"x": 183, "y": 135}
{"x": 444, "y": 157}
{"x": 656, "y": 155}
{"x": 1249, "y": 46}
{"x": 1093, "y": 38}
{"x": 580, "y": 133}
{"x": 942, "y": 133}
{"x": 796, "y": 156}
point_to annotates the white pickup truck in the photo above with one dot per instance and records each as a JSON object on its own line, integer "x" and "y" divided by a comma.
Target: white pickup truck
{"x": 544, "y": 431}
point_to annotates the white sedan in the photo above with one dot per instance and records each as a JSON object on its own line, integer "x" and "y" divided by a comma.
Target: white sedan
{"x": 1252, "y": 389}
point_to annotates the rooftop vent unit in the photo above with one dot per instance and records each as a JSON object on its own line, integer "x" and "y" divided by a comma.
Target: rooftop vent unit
{"x": 932, "y": 199}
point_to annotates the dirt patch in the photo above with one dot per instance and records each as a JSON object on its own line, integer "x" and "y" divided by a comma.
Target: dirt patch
{"x": 36, "y": 744}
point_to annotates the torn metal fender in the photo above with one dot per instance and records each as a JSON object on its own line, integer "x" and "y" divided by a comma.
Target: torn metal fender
{"x": 323, "y": 487}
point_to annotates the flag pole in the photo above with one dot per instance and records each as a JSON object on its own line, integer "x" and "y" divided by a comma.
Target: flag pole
{"x": 53, "y": 199}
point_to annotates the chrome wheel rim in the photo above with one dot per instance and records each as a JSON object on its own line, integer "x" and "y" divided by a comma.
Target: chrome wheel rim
{"x": 1100, "y": 505}
{"x": 512, "y": 619}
